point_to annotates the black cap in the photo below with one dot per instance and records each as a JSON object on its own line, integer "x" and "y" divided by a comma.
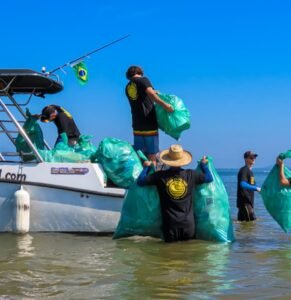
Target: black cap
{"x": 46, "y": 113}
{"x": 249, "y": 153}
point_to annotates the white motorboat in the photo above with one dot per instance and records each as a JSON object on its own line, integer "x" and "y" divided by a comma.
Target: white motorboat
{"x": 42, "y": 196}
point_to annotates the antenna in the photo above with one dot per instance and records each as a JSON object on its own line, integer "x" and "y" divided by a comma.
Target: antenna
{"x": 79, "y": 59}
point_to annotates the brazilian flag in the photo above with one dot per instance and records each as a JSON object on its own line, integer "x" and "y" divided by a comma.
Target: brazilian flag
{"x": 81, "y": 72}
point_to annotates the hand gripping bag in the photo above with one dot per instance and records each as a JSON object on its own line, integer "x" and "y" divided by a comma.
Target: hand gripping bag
{"x": 176, "y": 122}
{"x": 119, "y": 161}
{"x": 277, "y": 198}
{"x": 211, "y": 209}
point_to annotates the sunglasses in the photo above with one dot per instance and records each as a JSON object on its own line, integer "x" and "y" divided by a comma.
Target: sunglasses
{"x": 252, "y": 157}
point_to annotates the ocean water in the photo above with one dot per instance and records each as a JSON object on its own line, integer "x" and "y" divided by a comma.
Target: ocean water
{"x": 71, "y": 266}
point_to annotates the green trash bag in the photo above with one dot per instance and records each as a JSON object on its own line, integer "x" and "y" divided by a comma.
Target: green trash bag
{"x": 141, "y": 211}
{"x": 85, "y": 147}
{"x": 277, "y": 198}
{"x": 119, "y": 161}
{"x": 140, "y": 214}
{"x": 211, "y": 210}
{"x": 63, "y": 153}
{"x": 175, "y": 122}
{"x": 33, "y": 130}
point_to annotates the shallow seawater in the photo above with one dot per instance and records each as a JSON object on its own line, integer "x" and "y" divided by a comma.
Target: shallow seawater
{"x": 71, "y": 266}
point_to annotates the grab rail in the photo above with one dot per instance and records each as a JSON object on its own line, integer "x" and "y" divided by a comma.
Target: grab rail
{"x": 21, "y": 131}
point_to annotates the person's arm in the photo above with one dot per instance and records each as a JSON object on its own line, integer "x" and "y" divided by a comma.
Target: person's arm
{"x": 245, "y": 179}
{"x": 65, "y": 138}
{"x": 283, "y": 180}
{"x": 142, "y": 176}
{"x": 155, "y": 98}
{"x": 145, "y": 178}
{"x": 63, "y": 125}
{"x": 207, "y": 174}
{"x": 36, "y": 116}
{"x": 245, "y": 185}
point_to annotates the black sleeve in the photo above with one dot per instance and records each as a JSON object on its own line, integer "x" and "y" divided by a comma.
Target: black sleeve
{"x": 63, "y": 125}
{"x": 197, "y": 177}
{"x": 151, "y": 179}
{"x": 145, "y": 83}
{"x": 244, "y": 175}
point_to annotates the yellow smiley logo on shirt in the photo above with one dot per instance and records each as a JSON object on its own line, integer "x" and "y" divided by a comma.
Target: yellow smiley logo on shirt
{"x": 132, "y": 91}
{"x": 176, "y": 188}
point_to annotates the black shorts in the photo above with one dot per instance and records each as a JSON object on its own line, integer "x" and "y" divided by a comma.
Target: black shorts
{"x": 175, "y": 234}
{"x": 246, "y": 213}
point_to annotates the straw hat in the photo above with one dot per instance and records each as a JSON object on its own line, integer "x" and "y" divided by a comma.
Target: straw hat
{"x": 175, "y": 156}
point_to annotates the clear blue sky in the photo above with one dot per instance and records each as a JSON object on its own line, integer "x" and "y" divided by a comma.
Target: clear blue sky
{"x": 230, "y": 61}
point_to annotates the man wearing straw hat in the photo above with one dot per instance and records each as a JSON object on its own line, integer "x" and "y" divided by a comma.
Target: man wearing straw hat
{"x": 175, "y": 187}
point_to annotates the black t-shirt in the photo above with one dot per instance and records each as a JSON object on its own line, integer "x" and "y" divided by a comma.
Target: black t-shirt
{"x": 65, "y": 123}
{"x": 175, "y": 187}
{"x": 245, "y": 196}
{"x": 142, "y": 107}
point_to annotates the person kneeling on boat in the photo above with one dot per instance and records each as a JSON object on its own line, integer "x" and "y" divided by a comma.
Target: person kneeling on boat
{"x": 175, "y": 187}
{"x": 64, "y": 122}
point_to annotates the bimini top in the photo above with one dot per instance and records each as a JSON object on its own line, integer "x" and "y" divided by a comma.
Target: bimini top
{"x": 20, "y": 81}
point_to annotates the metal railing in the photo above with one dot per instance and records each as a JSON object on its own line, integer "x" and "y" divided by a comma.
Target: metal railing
{"x": 19, "y": 130}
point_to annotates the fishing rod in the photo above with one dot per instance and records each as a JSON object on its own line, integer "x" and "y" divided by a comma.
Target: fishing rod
{"x": 79, "y": 59}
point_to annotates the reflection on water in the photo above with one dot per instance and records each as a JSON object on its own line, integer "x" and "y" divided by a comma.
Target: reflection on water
{"x": 24, "y": 245}
{"x": 68, "y": 266}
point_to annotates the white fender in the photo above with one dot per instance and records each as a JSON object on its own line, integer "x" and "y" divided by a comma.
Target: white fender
{"x": 21, "y": 201}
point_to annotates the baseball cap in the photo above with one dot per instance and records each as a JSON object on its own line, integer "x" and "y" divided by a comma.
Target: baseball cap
{"x": 46, "y": 113}
{"x": 250, "y": 154}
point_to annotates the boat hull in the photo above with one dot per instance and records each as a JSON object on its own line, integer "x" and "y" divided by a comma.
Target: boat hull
{"x": 59, "y": 206}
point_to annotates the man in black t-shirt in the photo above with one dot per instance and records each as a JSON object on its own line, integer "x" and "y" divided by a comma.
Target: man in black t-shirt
{"x": 141, "y": 97}
{"x": 246, "y": 187}
{"x": 175, "y": 187}
{"x": 64, "y": 122}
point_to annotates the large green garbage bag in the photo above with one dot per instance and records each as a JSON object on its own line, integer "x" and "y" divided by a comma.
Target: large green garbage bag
{"x": 277, "y": 198}
{"x": 141, "y": 213}
{"x": 85, "y": 147}
{"x": 33, "y": 130}
{"x": 211, "y": 209}
{"x": 63, "y": 153}
{"x": 173, "y": 123}
{"x": 119, "y": 161}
